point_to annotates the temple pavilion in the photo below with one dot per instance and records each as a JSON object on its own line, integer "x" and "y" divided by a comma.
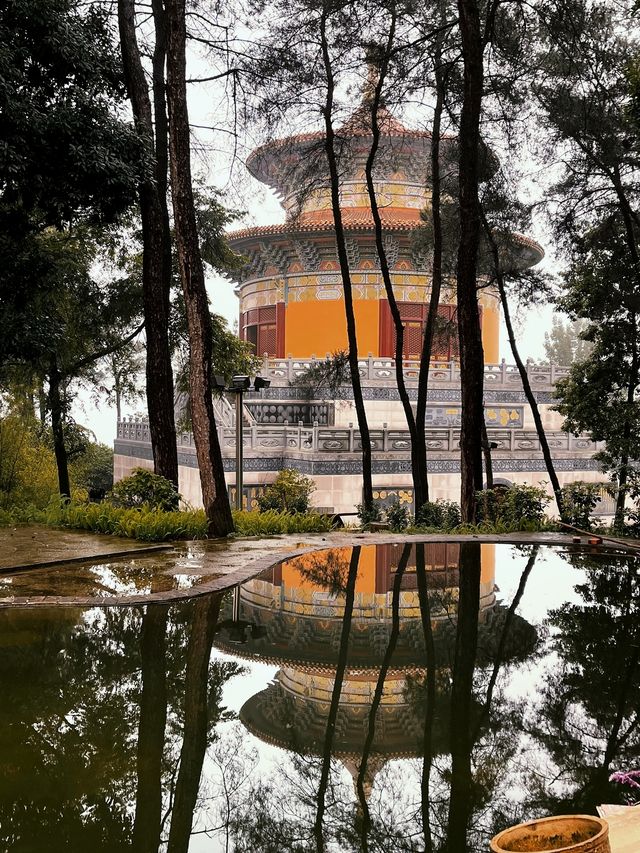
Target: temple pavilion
{"x": 291, "y": 308}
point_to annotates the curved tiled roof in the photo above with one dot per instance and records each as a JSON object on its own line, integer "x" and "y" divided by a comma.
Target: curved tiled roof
{"x": 358, "y": 125}
{"x": 357, "y": 220}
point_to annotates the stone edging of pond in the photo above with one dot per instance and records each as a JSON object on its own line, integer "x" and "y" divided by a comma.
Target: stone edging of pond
{"x": 267, "y": 561}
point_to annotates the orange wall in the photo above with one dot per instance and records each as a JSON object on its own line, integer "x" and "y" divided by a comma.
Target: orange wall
{"x": 319, "y": 327}
{"x": 365, "y": 579}
{"x": 491, "y": 335}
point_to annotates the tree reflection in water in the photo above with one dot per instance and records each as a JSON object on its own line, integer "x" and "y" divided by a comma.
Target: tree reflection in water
{"x": 95, "y": 724}
{"x": 403, "y": 708}
{"x": 587, "y": 721}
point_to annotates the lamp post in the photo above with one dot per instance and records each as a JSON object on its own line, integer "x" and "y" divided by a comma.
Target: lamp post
{"x": 239, "y": 384}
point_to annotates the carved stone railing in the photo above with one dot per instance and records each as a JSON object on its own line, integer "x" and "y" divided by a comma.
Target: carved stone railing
{"x": 283, "y": 371}
{"x": 265, "y": 438}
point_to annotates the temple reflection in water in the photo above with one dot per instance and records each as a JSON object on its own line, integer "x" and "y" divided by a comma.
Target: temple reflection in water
{"x": 293, "y": 616}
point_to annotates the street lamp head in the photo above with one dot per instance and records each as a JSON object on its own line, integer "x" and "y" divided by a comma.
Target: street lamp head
{"x": 260, "y": 382}
{"x": 240, "y": 383}
{"x": 219, "y": 384}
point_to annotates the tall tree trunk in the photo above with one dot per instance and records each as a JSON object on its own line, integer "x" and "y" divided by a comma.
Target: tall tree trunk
{"x": 429, "y": 717}
{"x": 196, "y": 721}
{"x": 632, "y": 384}
{"x": 420, "y": 464}
{"x": 329, "y": 142}
{"x": 156, "y": 262}
{"x": 341, "y": 666}
{"x": 153, "y": 719}
{"x": 522, "y": 370}
{"x": 377, "y": 694}
{"x": 498, "y": 661}
{"x": 471, "y": 352}
{"x": 375, "y": 103}
{"x": 214, "y": 489}
{"x": 57, "y": 428}
{"x": 460, "y": 801}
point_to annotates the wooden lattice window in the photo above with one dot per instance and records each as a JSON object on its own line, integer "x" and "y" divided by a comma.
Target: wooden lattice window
{"x": 264, "y": 328}
{"x": 414, "y": 318}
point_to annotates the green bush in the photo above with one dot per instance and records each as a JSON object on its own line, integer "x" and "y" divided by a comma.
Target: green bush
{"x": 271, "y": 522}
{"x": 515, "y": 506}
{"x": 578, "y": 502}
{"x": 93, "y": 470}
{"x": 442, "y": 515}
{"x": 289, "y": 492}
{"x": 368, "y": 515}
{"x": 144, "y": 488}
{"x": 397, "y": 515}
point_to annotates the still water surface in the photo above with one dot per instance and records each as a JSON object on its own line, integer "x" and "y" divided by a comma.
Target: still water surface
{"x": 382, "y": 698}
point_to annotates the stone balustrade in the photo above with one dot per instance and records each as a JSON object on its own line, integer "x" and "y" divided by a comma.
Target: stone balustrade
{"x": 374, "y": 370}
{"x": 271, "y": 438}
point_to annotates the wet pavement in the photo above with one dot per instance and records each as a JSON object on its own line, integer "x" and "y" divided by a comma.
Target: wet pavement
{"x": 44, "y": 566}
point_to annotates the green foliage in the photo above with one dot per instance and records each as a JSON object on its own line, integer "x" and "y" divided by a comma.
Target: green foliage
{"x": 564, "y": 344}
{"x": 155, "y": 525}
{"x": 368, "y": 515}
{"x": 440, "y": 514}
{"x": 144, "y": 488}
{"x": 27, "y": 465}
{"x": 93, "y": 471}
{"x": 289, "y": 492}
{"x": 517, "y": 505}
{"x": 230, "y": 355}
{"x": 271, "y": 522}
{"x": 397, "y": 515}
{"x": 579, "y": 500}
{"x": 326, "y": 377}
{"x": 144, "y": 523}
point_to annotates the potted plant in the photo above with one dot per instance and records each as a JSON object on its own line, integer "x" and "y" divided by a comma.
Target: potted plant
{"x": 561, "y": 834}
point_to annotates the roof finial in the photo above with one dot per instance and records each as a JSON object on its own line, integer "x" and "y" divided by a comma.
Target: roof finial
{"x": 373, "y": 54}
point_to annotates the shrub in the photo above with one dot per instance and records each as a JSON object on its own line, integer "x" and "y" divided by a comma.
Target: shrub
{"x": 513, "y": 506}
{"x": 443, "y": 515}
{"x": 397, "y": 515}
{"x": 368, "y": 515}
{"x": 578, "y": 502}
{"x": 271, "y": 522}
{"x": 93, "y": 470}
{"x": 144, "y": 488}
{"x": 289, "y": 492}
{"x": 27, "y": 466}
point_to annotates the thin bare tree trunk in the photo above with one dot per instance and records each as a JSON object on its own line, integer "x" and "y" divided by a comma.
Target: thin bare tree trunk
{"x": 341, "y": 666}
{"x": 377, "y": 695}
{"x": 57, "y": 428}
{"x": 460, "y": 802}
{"x": 471, "y": 352}
{"x": 384, "y": 263}
{"x": 522, "y": 370}
{"x": 429, "y": 717}
{"x": 153, "y": 719}
{"x": 156, "y": 260}
{"x": 420, "y": 465}
{"x": 214, "y": 490}
{"x": 329, "y": 139}
{"x": 196, "y": 720}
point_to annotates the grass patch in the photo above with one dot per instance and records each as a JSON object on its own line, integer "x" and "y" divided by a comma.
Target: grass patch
{"x": 154, "y": 525}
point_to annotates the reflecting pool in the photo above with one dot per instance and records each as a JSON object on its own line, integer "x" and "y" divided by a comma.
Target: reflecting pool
{"x": 378, "y": 698}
